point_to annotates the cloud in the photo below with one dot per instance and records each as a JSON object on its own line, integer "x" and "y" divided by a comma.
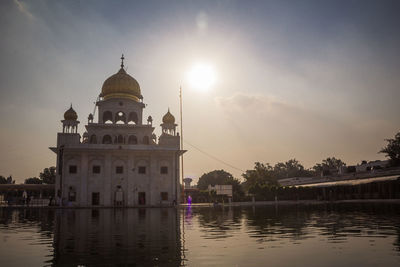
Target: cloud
{"x": 23, "y": 9}
{"x": 260, "y": 106}
{"x": 284, "y": 130}
{"x": 202, "y": 21}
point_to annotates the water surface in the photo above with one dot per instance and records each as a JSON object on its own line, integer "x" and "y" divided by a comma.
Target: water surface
{"x": 316, "y": 235}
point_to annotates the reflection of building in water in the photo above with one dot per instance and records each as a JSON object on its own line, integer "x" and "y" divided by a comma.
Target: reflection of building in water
{"x": 118, "y": 161}
{"x": 144, "y": 237}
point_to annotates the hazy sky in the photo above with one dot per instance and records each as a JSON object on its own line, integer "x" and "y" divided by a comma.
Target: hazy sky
{"x": 295, "y": 79}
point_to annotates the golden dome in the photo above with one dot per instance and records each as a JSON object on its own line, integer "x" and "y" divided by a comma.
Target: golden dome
{"x": 121, "y": 85}
{"x": 70, "y": 114}
{"x": 168, "y": 118}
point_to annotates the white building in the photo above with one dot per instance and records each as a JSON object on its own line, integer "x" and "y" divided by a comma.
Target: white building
{"x": 118, "y": 161}
{"x": 372, "y": 165}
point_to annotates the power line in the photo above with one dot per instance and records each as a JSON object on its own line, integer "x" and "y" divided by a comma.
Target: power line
{"x": 213, "y": 157}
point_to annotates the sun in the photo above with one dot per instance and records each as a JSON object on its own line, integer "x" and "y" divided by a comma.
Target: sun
{"x": 201, "y": 76}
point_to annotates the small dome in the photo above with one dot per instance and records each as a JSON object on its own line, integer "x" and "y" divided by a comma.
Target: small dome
{"x": 70, "y": 114}
{"x": 121, "y": 85}
{"x": 168, "y": 118}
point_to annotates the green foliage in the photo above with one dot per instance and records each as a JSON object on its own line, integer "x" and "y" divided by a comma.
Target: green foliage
{"x": 289, "y": 169}
{"x": 328, "y": 164}
{"x": 220, "y": 177}
{"x": 264, "y": 175}
{"x": 261, "y": 175}
{"x": 392, "y": 150}
{"x": 33, "y": 180}
{"x": 8, "y": 180}
{"x": 48, "y": 176}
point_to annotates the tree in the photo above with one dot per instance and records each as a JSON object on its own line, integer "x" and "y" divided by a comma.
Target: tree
{"x": 392, "y": 150}
{"x": 328, "y": 164}
{"x": 333, "y": 163}
{"x": 261, "y": 175}
{"x": 33, "y": 180}
{"x": 8, "y": 180}
{"x": 220, "y": 177}
{"x": 48, "y": 176}
{"x": 291, "y": 168}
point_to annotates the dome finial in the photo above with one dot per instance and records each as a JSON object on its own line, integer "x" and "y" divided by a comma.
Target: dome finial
{"x": 168, "y": 118}
{"x": 122, "y": 61}
{"x": 70, "y": 114}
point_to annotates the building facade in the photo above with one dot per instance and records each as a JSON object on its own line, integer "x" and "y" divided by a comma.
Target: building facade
{"x": 118, "y": 161}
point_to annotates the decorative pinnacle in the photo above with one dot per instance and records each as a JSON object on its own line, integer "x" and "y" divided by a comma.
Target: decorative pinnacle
{"x": 122, "y": 61}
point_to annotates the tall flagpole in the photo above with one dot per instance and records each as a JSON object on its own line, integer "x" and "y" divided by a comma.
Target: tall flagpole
{"x": 183, "y": 192}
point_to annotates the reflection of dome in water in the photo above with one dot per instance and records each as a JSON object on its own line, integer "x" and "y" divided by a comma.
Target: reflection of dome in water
{"x": 70, "y": 114}
{"x": 168, "y": 118}
{"x": 121, "y": 85}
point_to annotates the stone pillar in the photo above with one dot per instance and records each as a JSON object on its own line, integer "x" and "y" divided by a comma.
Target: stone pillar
{"x": 83, "y": 191}
{"x": 107, "y": 176}
{"x": 173, "y": 178}
{"x": 153, "y": 188}
{"x": 177, "y": 176}
{"x": 130, "y": 175}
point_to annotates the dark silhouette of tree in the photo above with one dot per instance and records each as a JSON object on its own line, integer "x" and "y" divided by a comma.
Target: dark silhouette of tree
{"x": 261, "y": 175}
{"x": 3, "y": 180}
{"x": 33, "y": 180}
{"x": 327, "y": 165}
{"x": 8, "y": 180}
{"x": 220, "y": 177}
{"x": 392, "y": 150}
{"x": 48, "y": 176}
{"x": 290, "y": 168}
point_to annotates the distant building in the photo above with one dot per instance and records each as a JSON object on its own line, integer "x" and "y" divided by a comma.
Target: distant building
{"x": 118, "y": 161}
{"x": 221, "y": 189}
{"x": 364, "y": 167}
{"x": 372, "y": 165}
{"x": 187, "y": 181}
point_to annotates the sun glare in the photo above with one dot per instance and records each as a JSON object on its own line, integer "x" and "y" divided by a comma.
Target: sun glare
{"x": 201, "y": 77}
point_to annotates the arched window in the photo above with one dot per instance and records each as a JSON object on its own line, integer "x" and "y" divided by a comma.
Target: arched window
{"x": 107, "y": 139}
{"x": 93, "y": 139}
{"x": 132, "y": 140}
{"x": 133, "y": 118}
{"x": 107, "y": 117}
{"x": 146, "y": 140}
{"x": 120, "y": 139}
{"x": 120, "y": 117}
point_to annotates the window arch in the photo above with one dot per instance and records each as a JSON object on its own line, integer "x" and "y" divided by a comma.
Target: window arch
{"x": 93, "y": 139}
{"x": 107, "y": 117}
{"x": 120, "y": 139}
{"x": 120, "y": 117}
{"x": 107, "y": 139}
{"x": 133, "y": 118}
{"x": 132, "y": 140}
{"x": 146, "y": 140}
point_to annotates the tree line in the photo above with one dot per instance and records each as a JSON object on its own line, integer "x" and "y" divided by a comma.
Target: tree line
{"x": 47, "y": 176}
{"x": 264, "y": 177}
